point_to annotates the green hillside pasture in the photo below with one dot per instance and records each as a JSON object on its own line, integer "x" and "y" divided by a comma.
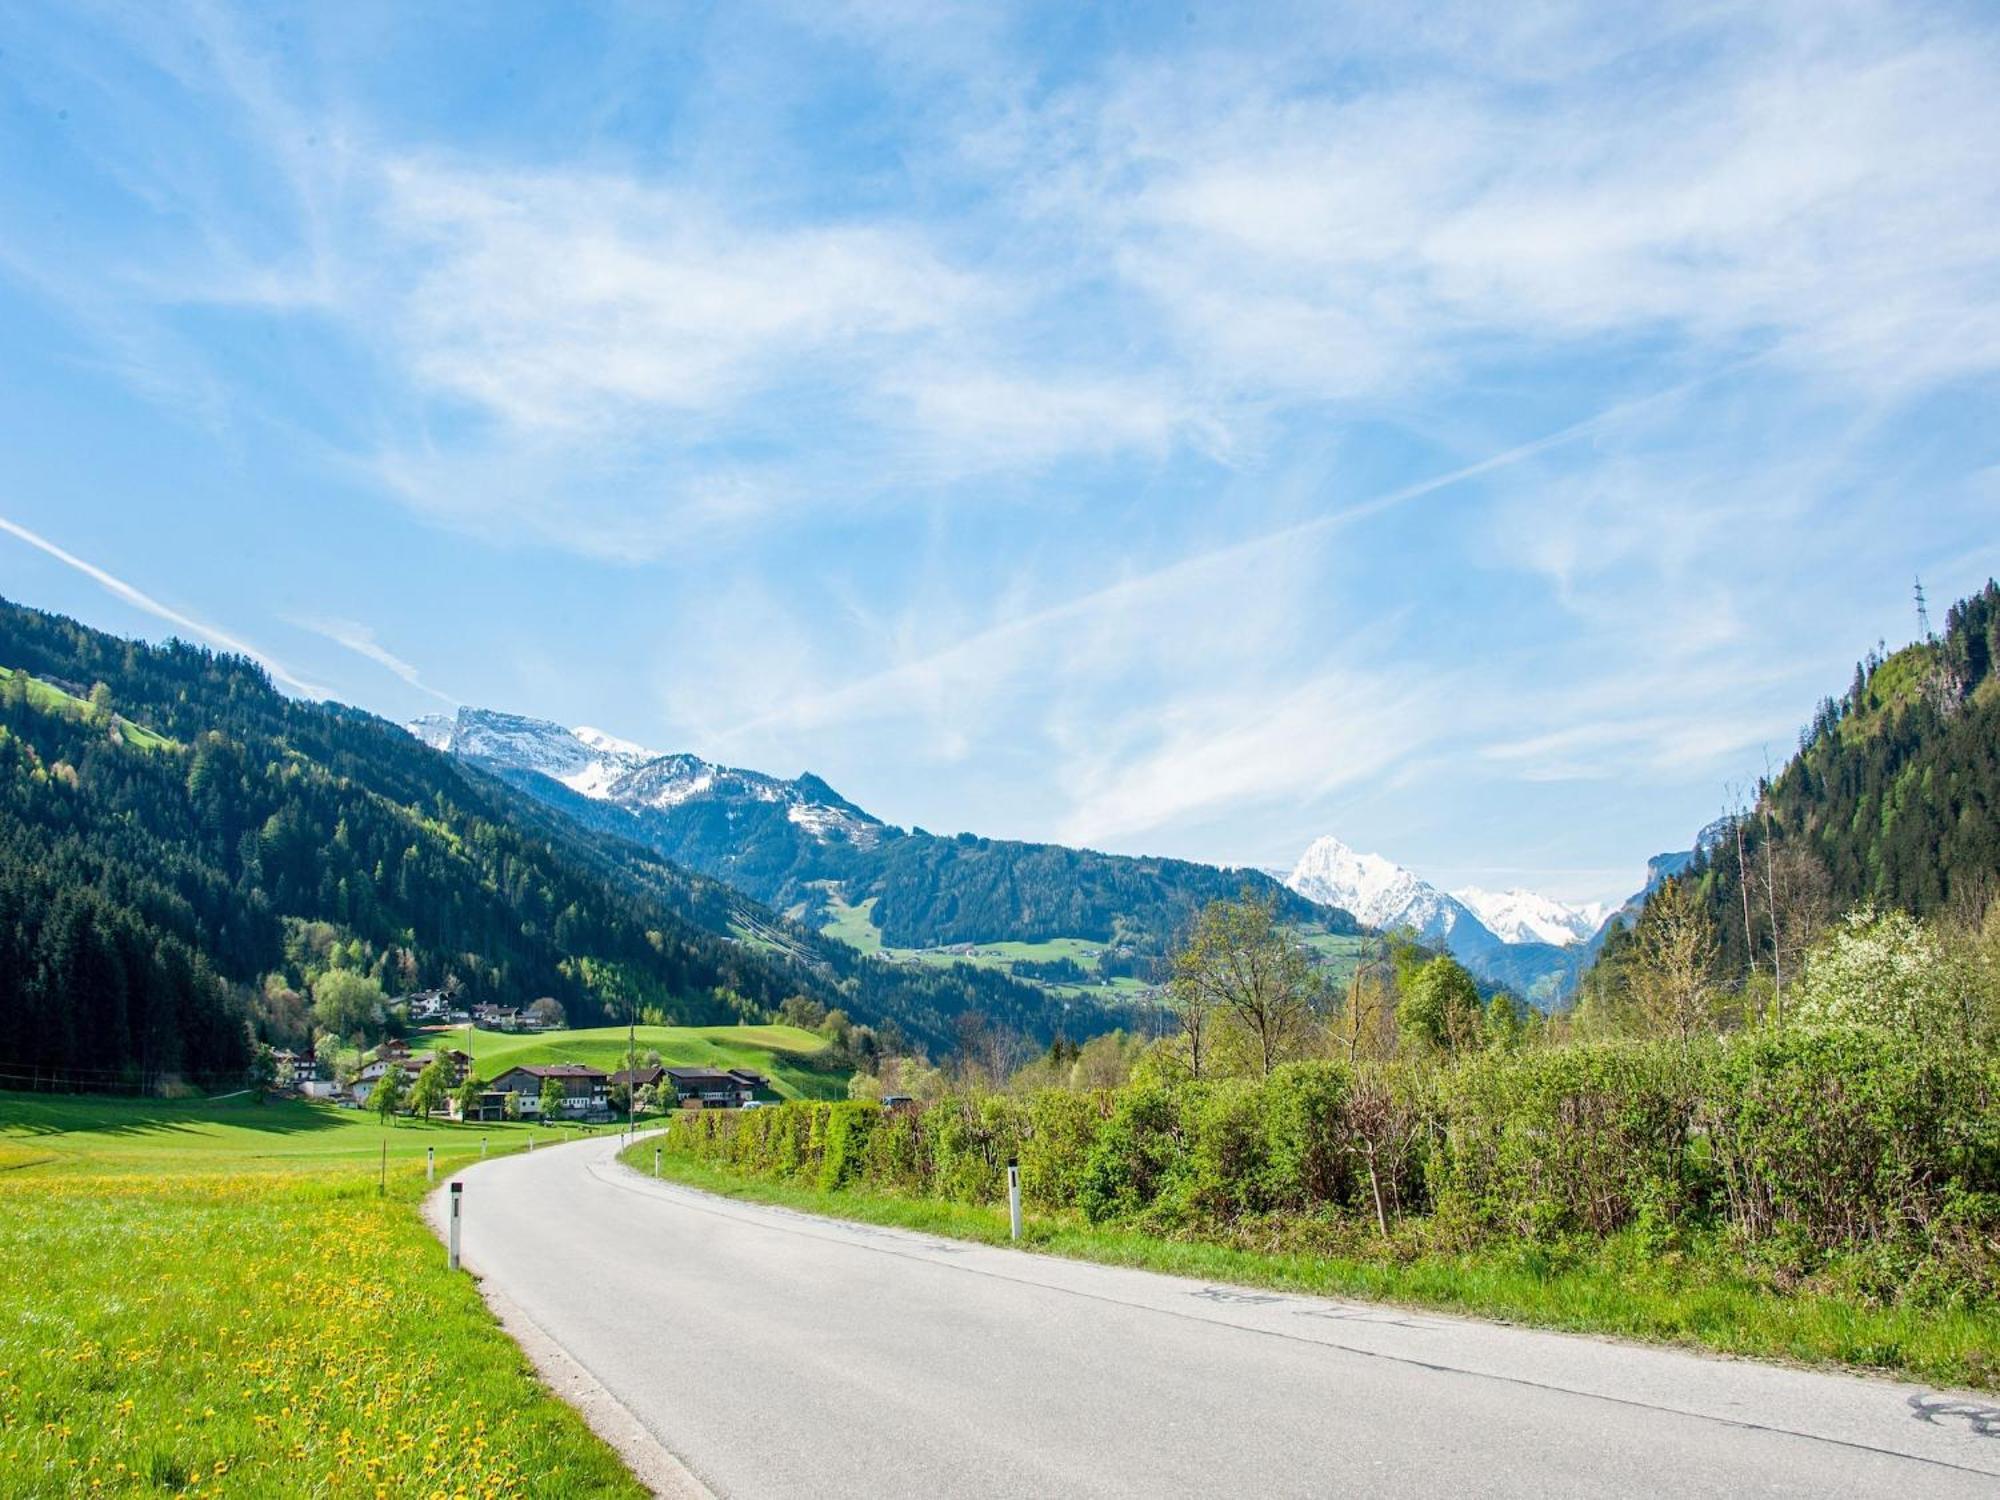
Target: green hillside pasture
{"x": 1004, "y": 955}
{"x": 853, "y": 925}
{"x": 791, "y": 1058}
{"x": 216, "y": 1299}
{"x": 51, "y": 699}
{"x": 1341, "y": 952}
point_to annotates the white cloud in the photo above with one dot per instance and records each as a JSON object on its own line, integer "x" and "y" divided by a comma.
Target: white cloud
{"x": 1823, "y": 188}
{"x": 575, "y": 301}
{"x": 1236, "y": 749}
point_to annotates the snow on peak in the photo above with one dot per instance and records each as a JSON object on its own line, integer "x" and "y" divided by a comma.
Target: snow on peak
{"x": 1519, "y": 916}
{"x": 1378, "y": 891}
{"x": 609, "y": 769}
{"x": 597, "y": 739}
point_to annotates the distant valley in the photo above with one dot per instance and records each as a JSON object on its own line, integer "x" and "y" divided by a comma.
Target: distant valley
{"x": 1075, "y": 921}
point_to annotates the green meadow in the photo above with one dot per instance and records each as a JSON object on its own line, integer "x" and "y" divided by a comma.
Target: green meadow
{"x": 793, "y": 1059}
{"x": 223, "y": 1299}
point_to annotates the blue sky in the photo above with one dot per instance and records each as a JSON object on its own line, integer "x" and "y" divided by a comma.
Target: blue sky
{"x": 1181, "y": 429}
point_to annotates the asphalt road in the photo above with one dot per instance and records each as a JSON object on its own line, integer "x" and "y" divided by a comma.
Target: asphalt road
{"x": 778, "y": 1354}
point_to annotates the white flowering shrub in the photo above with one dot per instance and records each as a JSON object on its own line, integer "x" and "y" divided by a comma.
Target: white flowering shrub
{"x": 1876, "y": 969}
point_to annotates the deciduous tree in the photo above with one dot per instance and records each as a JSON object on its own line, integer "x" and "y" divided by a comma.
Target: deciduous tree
{"x": 1239, "y": 962}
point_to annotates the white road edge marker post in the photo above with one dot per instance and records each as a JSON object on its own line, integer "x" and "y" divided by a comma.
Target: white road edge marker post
{"x": 430, "y": 1164}
{"x": 482, "y": 1148}
{"x": 1013, "y": 1197}
{"x": 656, "y": 1161}
{"x": 457, "y": 1201}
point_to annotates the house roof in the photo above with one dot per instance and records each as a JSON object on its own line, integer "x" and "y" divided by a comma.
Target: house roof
{"x": 642, "y": 1076}
{"x": 699, "y": 1076}
{"x": 556, "y": 1070}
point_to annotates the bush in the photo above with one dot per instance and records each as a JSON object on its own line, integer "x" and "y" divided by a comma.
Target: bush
{"x": 1576, "y": 1140}
{"x": 849, "y": 1126}
{"x": 1849, "y": 1136}
{"x": 1869, "y": 1157}
{"x": 1307, "y": 1135}
{"x": 1134, "y": 1154}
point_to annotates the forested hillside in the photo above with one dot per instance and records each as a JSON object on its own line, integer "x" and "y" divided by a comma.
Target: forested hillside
{"x": 801, "y": 847}
{"x": 178, "y": 840}
{"x": 936, "y": 890}
{"x": 1892, "y": 801}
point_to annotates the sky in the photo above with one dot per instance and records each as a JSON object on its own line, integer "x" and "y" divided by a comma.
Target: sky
{"x": 1479, "y": 432}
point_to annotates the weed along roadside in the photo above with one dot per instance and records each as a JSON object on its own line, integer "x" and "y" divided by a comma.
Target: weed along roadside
{"x": 244, "y": 1300}
{"x": 1623, "y": 1189}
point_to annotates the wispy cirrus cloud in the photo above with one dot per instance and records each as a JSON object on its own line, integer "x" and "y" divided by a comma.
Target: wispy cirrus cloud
{"x": 360, "y": 639}
{"x": 1137, "y": 423}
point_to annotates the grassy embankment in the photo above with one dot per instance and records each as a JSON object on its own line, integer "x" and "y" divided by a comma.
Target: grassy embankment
{"x": 1617, "y": 1288}
{"x": 791, "y": 1058}
{"x": 216, "y": 1299}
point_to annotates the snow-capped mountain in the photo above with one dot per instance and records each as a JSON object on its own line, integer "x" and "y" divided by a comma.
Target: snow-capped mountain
{"x": 1523, "y": 942}
{"x": 1383, "y": 894}
{"x": 1519, "y": 916}
{"x": 605, "y": 768}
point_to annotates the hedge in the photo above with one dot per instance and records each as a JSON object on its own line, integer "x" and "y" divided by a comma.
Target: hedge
{"x": 1795, "y": 1145}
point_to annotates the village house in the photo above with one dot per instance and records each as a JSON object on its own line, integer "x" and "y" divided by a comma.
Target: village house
{"x": 641, "y": 1078}
{"x": 490, "y": 1105}
{"x": 372, "y": 1073}
{"x": 456, "y": 1064}
{"x": 427, "y": 1005}
{"x": 584, "y": 1089}
{"x": 711, "y": 1088}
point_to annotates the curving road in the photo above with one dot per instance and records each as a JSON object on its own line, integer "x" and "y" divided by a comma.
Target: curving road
{"x": 778, "y": 1354}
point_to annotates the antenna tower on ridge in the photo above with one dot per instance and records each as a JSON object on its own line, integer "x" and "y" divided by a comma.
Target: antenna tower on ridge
{"x": 1923, "y": 613}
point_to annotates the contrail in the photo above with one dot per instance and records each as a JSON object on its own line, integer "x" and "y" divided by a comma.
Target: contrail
{"x": 123, "y": 590}
{"x": 1085, "y": 603}
{"x": 361, "y": 641}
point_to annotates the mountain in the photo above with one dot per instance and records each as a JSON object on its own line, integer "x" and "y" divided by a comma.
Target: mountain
{"x": 1519, "y": 916}
{"x": 178, "y": 839}
{"x": 801, "y": 847}
{"x": 1385, "y": 895}
{"x": 1893, "y": 799}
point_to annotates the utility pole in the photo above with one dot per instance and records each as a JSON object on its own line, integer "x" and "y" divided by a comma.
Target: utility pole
{"x": 1771, "y": 902}
{"x": 1743, "y": 882}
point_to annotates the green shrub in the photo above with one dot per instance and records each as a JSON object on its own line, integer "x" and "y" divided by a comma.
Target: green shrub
{"x": 1061, "y": 1129}
{"x": 1308, "y": 1155}
{"x": 1869, "y": 1160}
{"x": 1843, "y": 1137}
{"x": 849, "y": 1125}
{"x": 1134, "y": 1154}
{"x": 1574, "y": 1140}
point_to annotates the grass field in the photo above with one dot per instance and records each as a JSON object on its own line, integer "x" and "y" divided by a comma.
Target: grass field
{"x": 854, "y": 925}
{"x": 1616, "y": 1288}
{"x": 51, "y": 699}
{"x": 216, "y": 1299}
{"x": 789, "y": 1057}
